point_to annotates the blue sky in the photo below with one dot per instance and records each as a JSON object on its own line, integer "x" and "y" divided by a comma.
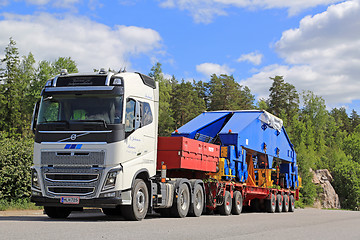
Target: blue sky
{"x": 314, "y": 44}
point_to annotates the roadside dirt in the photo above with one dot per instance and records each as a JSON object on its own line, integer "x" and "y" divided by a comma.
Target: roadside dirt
{"x": 21, "y": 212}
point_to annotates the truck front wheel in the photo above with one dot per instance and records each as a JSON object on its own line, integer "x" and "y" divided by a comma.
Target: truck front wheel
{"x": 57, "y": 212}
{"x": 140, "y": 202}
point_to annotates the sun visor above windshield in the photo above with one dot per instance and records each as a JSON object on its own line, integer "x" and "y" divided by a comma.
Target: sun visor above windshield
{"x": 71, "y": 81}
{"x": 115, "y": 90}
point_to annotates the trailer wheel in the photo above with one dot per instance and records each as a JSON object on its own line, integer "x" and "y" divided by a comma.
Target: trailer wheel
{"x": 271, "y": 204}
{"x": 182, "y": 202}
{"x": 112, "y": 211}
{"x": 140, "y": 202}
{"x": 279, "y": 203}
{"x": 197, "y": 207}
{"x": 292, "y": 203}
{"x": 237, "y": 203}
{"x": 57, "y": 212}
{"x": 225, "y": 208}
{"x": 286, "y": 203}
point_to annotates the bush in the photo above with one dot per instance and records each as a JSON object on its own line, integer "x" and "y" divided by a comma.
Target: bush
{"x": 15, "y": 161}
{"x": 17, "y": 205}
{"x": 347, "y": 183}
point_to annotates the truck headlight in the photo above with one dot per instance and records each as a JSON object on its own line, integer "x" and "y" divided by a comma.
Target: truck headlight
{"x": 110, "y": 180}
{"x": 35, "y": 179}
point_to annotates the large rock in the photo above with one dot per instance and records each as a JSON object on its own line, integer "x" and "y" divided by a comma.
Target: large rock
{"x": 328, "y": 197}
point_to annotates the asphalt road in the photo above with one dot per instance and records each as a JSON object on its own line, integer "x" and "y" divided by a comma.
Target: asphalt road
{"x": 303, "y": 224}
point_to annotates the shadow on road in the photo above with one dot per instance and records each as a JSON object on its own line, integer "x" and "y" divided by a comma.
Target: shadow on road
{"x": 94, "y": 215}
{"x": 88, "y": 215}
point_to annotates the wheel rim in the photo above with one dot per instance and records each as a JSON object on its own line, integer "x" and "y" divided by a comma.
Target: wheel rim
{"x": 228, "y": 204}
{"x": 273, "y": 203}
{"x": 140, "y": 201}
{"x": 198, "y": 200}
{"x": 183, "y": 200}
{"x": 238, "y": 203}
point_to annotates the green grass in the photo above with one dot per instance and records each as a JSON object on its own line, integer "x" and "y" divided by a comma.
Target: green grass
{"x": 20, "y": 204}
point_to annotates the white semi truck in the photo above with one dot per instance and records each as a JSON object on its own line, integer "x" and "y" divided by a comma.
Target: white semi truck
{"x": 96, "y": 145}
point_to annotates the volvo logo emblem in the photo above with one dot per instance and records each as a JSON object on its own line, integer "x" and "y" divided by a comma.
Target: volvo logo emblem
{"x": 73, "y": 137}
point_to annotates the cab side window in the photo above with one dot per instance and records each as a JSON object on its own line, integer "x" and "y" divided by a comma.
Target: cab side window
{"x": 130, "y": 115}
{"x": 146, "y": 114}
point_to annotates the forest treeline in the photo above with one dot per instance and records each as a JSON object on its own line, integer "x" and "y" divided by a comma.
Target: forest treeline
{"x": 322, "y": 138}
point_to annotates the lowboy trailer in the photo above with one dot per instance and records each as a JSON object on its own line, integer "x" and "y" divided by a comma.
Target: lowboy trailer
{"x": 96, "y": 145}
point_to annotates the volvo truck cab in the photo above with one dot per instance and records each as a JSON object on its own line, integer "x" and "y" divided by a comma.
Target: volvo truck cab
{"x": 95, "y": 143}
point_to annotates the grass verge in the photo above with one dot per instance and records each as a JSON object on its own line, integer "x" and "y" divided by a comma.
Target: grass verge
{"x": 19, "y": 204}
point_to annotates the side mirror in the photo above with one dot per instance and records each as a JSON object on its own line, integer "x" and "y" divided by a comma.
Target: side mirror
{"x": 34, "y": 116}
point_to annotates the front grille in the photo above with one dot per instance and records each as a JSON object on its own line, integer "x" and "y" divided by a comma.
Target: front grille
{"x": 71, "y": 190}
{"x": 77, "y": 181}
{"x": 68, "y": 158}
{"x": 71, "y": 177}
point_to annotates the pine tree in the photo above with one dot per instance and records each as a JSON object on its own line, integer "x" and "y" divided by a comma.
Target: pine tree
{"x": 283, "y": 100}
{"x": 64, "y": 63}
{"x": 354, "y": 120}
{"x": 166, "y": 121}
{"x": 341, "y": 118}
{"x": 11, "y": 91}
{"x": 226, "y": 94}
{"x": 185, "y": 103}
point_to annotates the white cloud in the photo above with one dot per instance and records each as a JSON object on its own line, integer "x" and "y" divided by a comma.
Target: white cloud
{"x": 128, "y": 2}
{"x": 37, "y": 2}
{"x": 90, "y": 44}
{"x": 56, "y": 3}
{"x": 167, "y": 76}
{"x": 211, "y": 68}
{"x": 4, "y": 3}
{"x": 254, "y": 58}
{"x": 293, "y": 6}
{"x": 323, "y": 56}
{"x": 65, "y": 3}
{"x": 95, "y": 4}
{"x": 203, "y": 11}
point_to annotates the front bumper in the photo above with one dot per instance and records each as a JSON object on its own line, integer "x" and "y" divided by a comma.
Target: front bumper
{"x": 94, "y": 202}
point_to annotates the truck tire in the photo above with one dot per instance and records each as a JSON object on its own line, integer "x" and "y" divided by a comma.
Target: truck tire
{"x": 291, "y": 203}
{"x": 181, "y": 204}
{"x": 139, "y": 203}
{"x": 286, "y": 203}
{"x": 237, "y": 203}
{"x": 112, "y": 211}
{"x": 197, "y": 206}
{"x": 271, "y": 204}
{"x": 279, "y": 205}
{"x": 57, "y": 212}
{"x": 225, "y": 208}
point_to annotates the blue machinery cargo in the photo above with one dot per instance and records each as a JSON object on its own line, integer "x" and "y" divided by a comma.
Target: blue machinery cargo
{"x": 257, "y": 157}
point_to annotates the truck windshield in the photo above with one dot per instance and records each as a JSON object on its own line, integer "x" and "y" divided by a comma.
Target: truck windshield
{"x": 81, "y": 108}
